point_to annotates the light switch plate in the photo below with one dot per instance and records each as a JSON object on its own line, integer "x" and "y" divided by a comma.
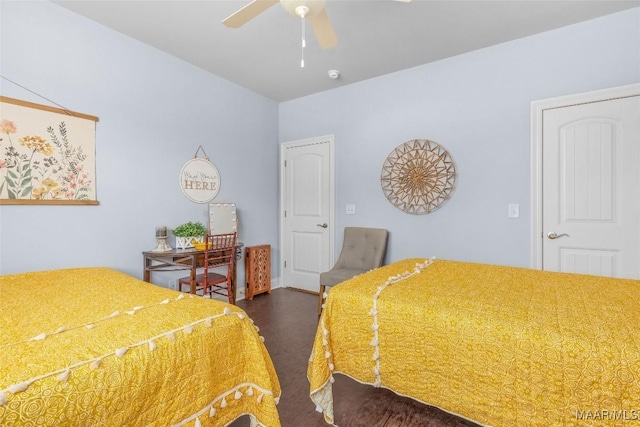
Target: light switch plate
{"x": 351, "y": 209}
{"x": 514, "y": 211}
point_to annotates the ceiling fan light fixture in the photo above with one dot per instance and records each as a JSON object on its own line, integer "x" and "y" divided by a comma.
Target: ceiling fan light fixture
{"x": 302, "y": 11}
{"x": 312, "y": 7}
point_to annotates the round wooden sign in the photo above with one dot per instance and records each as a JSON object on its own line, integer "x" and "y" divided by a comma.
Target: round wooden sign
{"x": 418, "y": 176}
{"x": 199, "y": 180}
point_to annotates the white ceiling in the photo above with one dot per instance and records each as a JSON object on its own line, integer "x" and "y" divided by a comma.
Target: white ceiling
{"x": 375, "y": 37}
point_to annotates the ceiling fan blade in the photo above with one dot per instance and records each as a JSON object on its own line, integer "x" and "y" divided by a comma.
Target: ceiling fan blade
{"x": 324, "y": 30}
{"x": 248, "y": 12}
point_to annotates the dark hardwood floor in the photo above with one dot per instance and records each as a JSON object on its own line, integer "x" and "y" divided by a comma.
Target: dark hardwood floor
{"x": 288, "y": 319}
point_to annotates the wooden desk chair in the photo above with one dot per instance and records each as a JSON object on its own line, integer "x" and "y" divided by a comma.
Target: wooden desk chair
{"x": 219, "y": 253}
{"x": 363, "y": 249}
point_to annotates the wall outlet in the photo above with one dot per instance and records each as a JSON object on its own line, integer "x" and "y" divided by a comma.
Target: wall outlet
{"x": 173, "y": 284}
{"x": 514, "y": 211}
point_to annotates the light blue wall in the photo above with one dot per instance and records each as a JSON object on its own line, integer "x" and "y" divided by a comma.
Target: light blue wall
{"x": 154, "y": 111}
{"x": 477, "y": 106}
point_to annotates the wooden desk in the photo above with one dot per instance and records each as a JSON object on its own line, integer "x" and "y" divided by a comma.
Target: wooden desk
{"x": 184, "y": 259}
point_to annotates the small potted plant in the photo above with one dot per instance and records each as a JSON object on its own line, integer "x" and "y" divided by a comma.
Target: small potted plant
{"x": 188, "y": 233}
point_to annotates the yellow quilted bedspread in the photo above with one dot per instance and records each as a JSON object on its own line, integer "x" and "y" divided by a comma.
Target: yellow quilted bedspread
{"x": 502, "y": 346}
{"x": 95, "y": 347}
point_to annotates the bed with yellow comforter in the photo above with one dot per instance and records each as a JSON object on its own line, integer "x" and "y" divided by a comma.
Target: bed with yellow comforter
{"x": 95, "y": 347}
{"x": 501, "y": 346}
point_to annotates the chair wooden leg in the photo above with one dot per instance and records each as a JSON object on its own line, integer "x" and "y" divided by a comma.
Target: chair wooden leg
{"x": 231, "y": 294}
{"x": 320, "y": 299}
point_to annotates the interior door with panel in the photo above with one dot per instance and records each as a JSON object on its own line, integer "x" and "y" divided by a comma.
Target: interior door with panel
{"x": 591, "y": 188}
{"x": 307, "y": 211}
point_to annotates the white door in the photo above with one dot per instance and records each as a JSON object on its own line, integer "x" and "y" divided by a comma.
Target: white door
{"x": 307, "y": 211}
{"x": 591, "y": 188}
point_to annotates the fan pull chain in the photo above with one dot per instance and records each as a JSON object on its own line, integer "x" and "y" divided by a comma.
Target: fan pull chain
{"x": 304, "y": 42}
{"x": 302, "y": 12}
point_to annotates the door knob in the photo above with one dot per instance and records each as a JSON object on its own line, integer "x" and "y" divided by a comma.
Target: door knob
{"x": 322, "y": 225}
{"x": 552, "y": 235}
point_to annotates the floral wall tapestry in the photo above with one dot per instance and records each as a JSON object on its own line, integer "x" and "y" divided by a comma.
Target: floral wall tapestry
{"x": 47, "y": 155}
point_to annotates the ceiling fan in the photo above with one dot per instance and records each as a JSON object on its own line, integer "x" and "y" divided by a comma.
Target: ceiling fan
{"x": 313, "y": 10}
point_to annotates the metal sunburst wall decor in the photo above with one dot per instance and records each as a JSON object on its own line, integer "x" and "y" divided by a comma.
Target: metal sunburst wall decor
{"x": 418, "y": 176}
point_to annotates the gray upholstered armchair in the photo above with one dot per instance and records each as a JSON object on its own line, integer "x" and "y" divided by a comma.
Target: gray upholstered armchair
{"x": 363, "y": 249}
